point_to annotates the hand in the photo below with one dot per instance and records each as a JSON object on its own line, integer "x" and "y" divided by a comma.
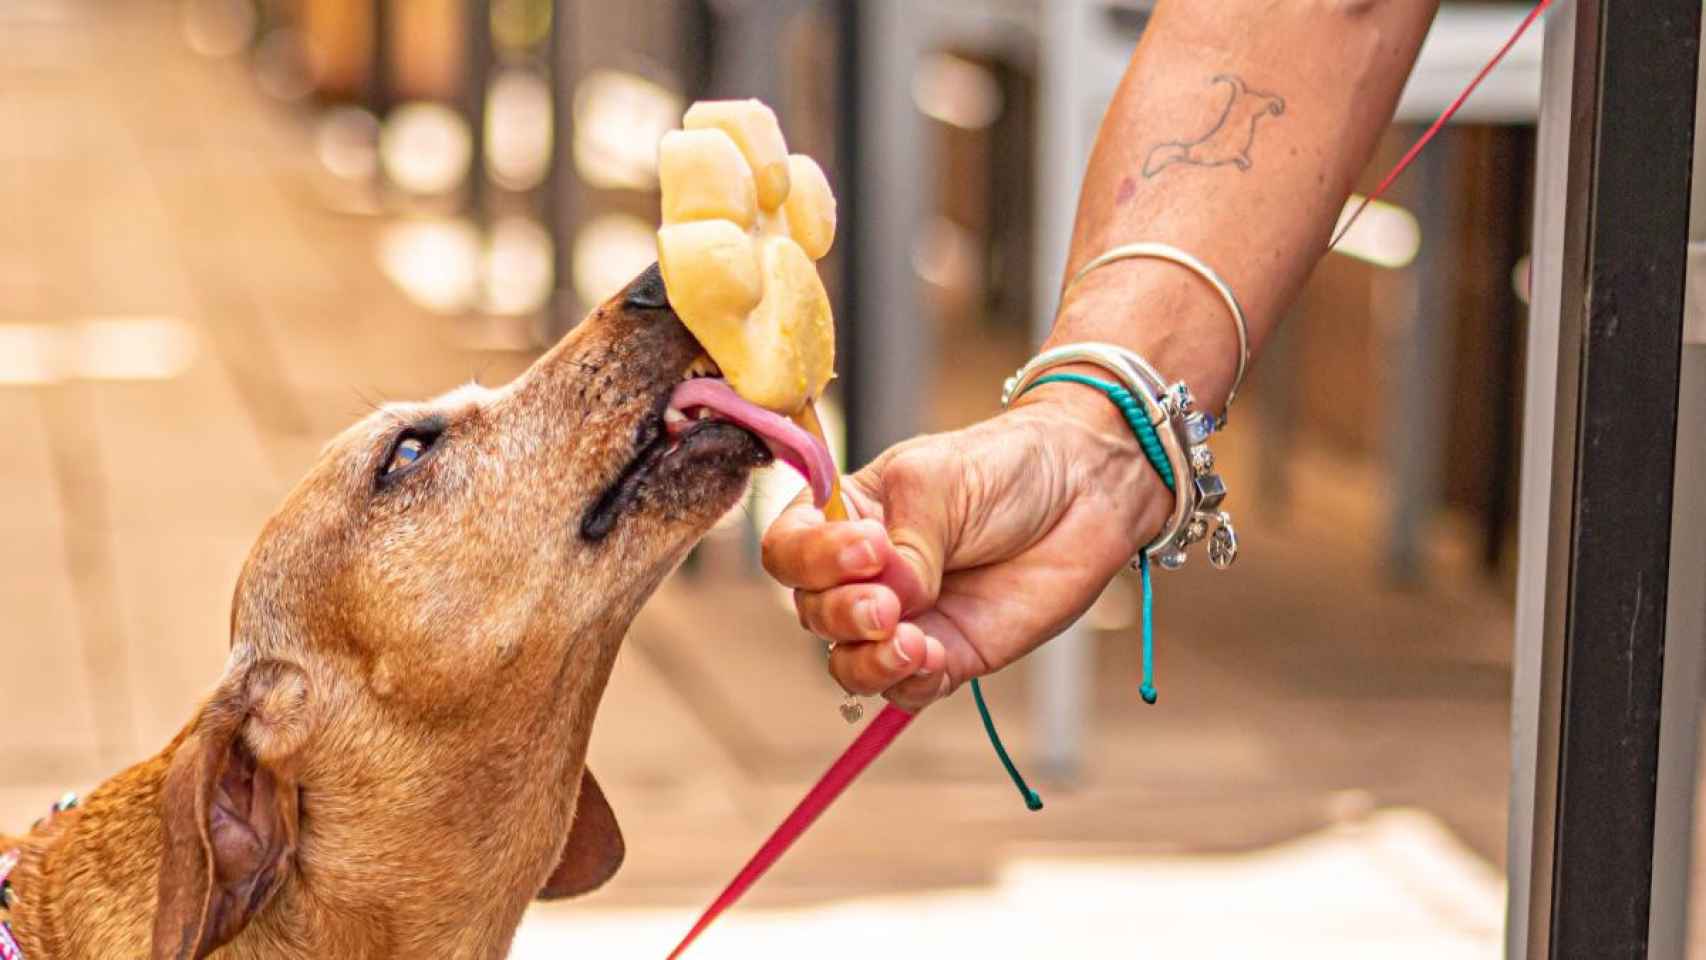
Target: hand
{"x": 971, "y": 548}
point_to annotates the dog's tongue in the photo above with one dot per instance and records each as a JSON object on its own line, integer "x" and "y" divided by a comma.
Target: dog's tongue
{"x": 787, "y": 440}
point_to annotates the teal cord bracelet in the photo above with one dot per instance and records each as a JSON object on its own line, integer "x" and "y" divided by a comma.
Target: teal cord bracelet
{"x": 1132, "y": 410}
{"x": 1033, "y": 800}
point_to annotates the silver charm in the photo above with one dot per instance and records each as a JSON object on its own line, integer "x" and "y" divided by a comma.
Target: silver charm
{"x": 1196, "y": 529}
{"x": 1177, "y": 401}
{"x": 1202, "y": 459}
{"x": 1223, "y": 546}
{"x": 852, "y": 709}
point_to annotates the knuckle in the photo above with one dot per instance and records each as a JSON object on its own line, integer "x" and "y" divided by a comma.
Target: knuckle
{"x": 770, "y": 551}
{"x": 838, "y": 607}
{"x": 845, "y": 674}
{"x": 836, "y": 538}
{"x": 909, "y": 469}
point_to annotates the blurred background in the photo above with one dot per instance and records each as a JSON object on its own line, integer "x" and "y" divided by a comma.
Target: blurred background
{"x": 228, "y": 226}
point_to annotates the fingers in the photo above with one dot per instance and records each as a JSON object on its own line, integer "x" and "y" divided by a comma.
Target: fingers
{"x": 806, "y": 552}
{"x": 873, "y": 667}
{"x": 849, "y": 613}
{"x": 915, "y": 693}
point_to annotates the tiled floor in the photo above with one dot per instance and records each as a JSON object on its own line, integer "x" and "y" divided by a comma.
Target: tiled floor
{"x": 140, "y": 181}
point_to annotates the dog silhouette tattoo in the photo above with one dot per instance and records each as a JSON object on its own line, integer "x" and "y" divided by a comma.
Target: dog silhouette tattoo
{"x": 1228, "y": 140}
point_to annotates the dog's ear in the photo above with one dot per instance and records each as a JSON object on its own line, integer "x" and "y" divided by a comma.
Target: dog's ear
{"x": 229, "y": 812}
{"x": 594, "y": 849}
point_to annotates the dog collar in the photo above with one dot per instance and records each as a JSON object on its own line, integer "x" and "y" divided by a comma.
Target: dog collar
{"x": 9, "y": 949}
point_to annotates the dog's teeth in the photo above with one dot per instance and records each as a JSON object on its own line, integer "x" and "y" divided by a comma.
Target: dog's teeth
{"x": 672, "y": 415}
{"x": 703, "y": 413}
{"x": 702, "y": 366}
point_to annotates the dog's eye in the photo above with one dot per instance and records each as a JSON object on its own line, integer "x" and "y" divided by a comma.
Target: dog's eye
{"x": 409, "y": 448}
{"x": 408, "y": 452}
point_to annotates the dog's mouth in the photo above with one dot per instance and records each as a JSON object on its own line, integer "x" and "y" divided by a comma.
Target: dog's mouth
{"x": 703, "y": 420}
{"x": 706, "y": 398}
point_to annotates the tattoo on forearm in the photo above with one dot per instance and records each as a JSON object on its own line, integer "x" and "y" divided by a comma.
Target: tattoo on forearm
{"x": 1228, "y": 140}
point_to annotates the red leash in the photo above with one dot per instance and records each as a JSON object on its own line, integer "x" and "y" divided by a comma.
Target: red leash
{"x": 871, "y": 742}
{"x": 1416, "y": 148}
{"x": 879, "y": 733}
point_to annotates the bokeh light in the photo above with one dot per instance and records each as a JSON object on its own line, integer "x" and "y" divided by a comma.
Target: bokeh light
{"x": 218, "y": 28}
{"x": 346, "y": 140}
{"x": 283, "y": 67}
{"x": 957, "y": 91}
{"x": 96, "y": 348}
{"x": 609, "y": 250}
{"x": 425, "y": 148}
{"x": 1386, "y": 234}
{"x": 619, "y": 119}
{"x": 29, "y": 354}
{"x": 518, "y": 267}
{"x": 434, "y": 261}
{"x": 518, "y": 129}
{"x": 520, "y": 24}
{"x": 131, "y": 348}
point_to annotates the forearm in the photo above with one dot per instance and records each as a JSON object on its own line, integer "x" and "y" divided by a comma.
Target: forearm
{"x": 1235, "y": 134}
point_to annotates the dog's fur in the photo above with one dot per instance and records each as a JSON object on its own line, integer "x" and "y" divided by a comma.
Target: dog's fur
{"x": 392, "y": 764}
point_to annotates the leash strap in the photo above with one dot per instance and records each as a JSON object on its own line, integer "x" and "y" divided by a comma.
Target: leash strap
{"x": 870, "y": 743}
{"x": 877, "y": 735}
{"x": 1451, "y": 110}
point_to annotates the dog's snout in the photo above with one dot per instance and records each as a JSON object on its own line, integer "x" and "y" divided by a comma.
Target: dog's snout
{"x": 647, "y": 291}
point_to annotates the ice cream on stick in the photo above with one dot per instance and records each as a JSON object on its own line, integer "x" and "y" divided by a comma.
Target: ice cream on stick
{"x": 833, "y": 506}
{"x": 743, "y": 224}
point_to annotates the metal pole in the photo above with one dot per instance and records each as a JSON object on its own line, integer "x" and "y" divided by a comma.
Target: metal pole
{"x": 894, "y": 342}
{"x": 1417, "y": 445}
{"x": 1079, "y": 64}
{"x": 1506, "y": 321}
{"x": 561, "y": 201}
{"x": 1685, "y": 622}
{"x": 379, "y": 92}
{"x": 1685, "y": 669}
{"x": 1600, "y": 647}
{"x": 1533, "y": 693}
{"x": 849, "y": 84}
{"x": 476, "y": 78}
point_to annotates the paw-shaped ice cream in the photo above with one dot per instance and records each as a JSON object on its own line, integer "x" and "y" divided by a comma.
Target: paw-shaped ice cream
{"x": 743, "y": 222}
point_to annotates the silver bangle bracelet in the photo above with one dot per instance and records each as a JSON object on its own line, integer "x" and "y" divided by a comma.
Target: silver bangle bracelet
{"x": 1172, "y": 254}
{"x": 1183, "y": 431}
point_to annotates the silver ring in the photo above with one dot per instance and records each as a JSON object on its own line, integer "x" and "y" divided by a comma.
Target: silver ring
{"x": 1172, "y": 254}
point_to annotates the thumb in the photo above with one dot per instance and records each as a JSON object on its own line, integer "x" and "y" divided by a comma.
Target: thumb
{"x": 915, "y": 495}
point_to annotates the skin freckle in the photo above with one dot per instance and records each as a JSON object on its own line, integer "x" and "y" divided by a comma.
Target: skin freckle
{"x": 1125, "y": 191}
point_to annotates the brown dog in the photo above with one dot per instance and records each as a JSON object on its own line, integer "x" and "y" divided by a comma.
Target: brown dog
{"x": 393, "y": 763}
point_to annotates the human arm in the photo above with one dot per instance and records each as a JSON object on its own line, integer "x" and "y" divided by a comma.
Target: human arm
{"x": 1235, "y": 134}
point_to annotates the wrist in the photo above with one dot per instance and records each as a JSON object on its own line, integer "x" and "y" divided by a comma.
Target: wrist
{"x": 1108, "y": 462}
{"x": 1172, "y": 432}
{"x": 1162, "y": 312}
{"x": 1080, "y": 405}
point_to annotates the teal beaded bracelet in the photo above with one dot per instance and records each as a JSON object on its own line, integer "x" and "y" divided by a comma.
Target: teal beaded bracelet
{"x": 1147, "y": 439}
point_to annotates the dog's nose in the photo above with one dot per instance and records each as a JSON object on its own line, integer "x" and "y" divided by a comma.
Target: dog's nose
{"x": 647, "y": 291}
